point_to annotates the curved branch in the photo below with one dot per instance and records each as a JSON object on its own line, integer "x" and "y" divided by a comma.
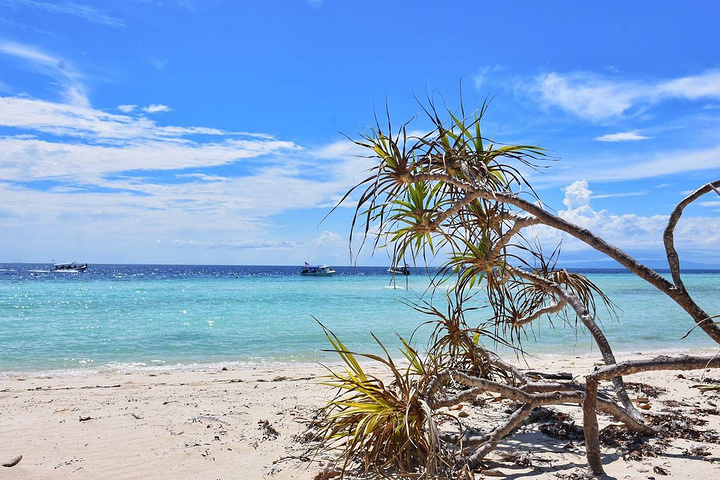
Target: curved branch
{"x": 603, "y": 404}
{"x": 597, "y": 334}
{"x": 464, "y": 396}
{"x": 680, "y": 296}
{"x": 516, "y": 372}
{"x": 550, "y": 309}
{"x": 663, "y": 362}
{"x": 519, "y": 224}
{"x": 467, "y": 199}
{"x": 515, "y": 419}
{"x": 483, "y": 385}
{"x": 590, "y": 403}
{"x": 554, "y": 398}
{"x": 668, "y": 235}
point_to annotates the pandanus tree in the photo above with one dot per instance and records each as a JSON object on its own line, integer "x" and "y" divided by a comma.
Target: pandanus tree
{"x": 454, "y": 197}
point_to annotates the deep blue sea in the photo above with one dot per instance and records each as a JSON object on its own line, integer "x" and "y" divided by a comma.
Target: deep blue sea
{"x": 144, "y": 316}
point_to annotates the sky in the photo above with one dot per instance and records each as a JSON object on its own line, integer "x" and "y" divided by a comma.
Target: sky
{"x": 216, "y": 132}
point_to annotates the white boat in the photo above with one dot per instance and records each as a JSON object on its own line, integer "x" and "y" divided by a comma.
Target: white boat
{"x": 71, "y": 267}
{"x": 398, "y": 270}
{"x": 317, "y": 271}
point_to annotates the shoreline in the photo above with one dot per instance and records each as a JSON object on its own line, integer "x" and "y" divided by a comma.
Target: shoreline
{"x": 247, "y": 421}
{"x": 142, "y": 367}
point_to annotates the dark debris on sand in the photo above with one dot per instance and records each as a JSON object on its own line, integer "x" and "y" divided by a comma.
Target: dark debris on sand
{"x": 563, "y": 430}
{"x": 635, "y": 446}
{"x": 269, "y": 432}
{"x": 649, "y": 391}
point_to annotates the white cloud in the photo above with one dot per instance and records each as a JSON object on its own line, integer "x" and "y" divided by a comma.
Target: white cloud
{"x": 159, "y": 63}
{"x": 73, "y": 90}
{"x": 87, "y": 12}
{"x": 91, "y": 124}
{"x": 692, "y": 87}
{"x": 244, "y": 245}
{"x": 621, "y": 137}
{"x": 156, "y": 108}
{"x": 203, "y": 177}
{"x": 234, "y": 214}
{"x": 126, "y": 108}
{"x": 480, "y": 78}
{"x": 577, "y": 195}
{"x": 664, "y": 163}
{"x": 620, "y": 195}
{"x": 31, "y": 160}
{"x": 339, "y": 149}
{"x": 350, "y": 162}
{"x": 330, "y": 238}
{"x": 635, "y": 166}
{"x": 105, "y": 171}
{"x": 87, "y": 146}
{"x": 587, "y": 96}
{"x": 598, "y": 98}
{"x": 629, "y": 231}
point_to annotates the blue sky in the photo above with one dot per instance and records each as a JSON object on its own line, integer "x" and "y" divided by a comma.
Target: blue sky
{"x": 139, "y": 131}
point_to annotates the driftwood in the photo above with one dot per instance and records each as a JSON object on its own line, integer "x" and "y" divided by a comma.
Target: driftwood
{"x": 531, "y": 394}
{"x": 590, "y": 403}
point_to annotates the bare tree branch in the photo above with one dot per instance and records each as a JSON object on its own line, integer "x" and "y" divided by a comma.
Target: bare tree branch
{"x": 595, "y": 331}
{"x": 550, "y": 309}
{"x": 668, "y": 235}
{"x": 663, "y": 362}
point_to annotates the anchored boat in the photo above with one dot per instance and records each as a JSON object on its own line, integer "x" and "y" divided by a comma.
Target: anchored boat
{"x": 71, "y": 267}
{"x": 317, "y": 271}
{"x": 398, "y": 270}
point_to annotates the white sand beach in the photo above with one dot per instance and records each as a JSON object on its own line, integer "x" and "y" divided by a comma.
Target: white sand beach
{"x": 244, "y": 422}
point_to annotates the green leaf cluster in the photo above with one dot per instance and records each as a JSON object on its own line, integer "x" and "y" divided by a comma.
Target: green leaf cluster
{"x": 386, "y": 426}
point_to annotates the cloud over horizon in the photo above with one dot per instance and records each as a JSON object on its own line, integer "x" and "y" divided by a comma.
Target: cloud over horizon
{"x": 693, "y": 235}
{"x": 60, "y": 161}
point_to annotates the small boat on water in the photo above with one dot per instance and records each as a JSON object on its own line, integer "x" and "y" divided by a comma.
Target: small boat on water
{"x": 398, "y": 270}
{"x": 317, "y": 271}
{"x": 71, "y": 267}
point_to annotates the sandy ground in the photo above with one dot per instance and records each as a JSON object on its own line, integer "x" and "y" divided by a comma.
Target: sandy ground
{"x": 242, "y": 422}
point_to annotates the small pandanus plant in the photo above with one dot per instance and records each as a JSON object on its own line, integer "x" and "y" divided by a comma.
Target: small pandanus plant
{"x": 388, "y": 427}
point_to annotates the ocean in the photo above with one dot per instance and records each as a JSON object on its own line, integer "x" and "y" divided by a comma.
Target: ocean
{"x": 171, "y": 316}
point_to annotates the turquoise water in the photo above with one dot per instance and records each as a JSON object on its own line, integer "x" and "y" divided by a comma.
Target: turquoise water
{"x": 141, "y": 315}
